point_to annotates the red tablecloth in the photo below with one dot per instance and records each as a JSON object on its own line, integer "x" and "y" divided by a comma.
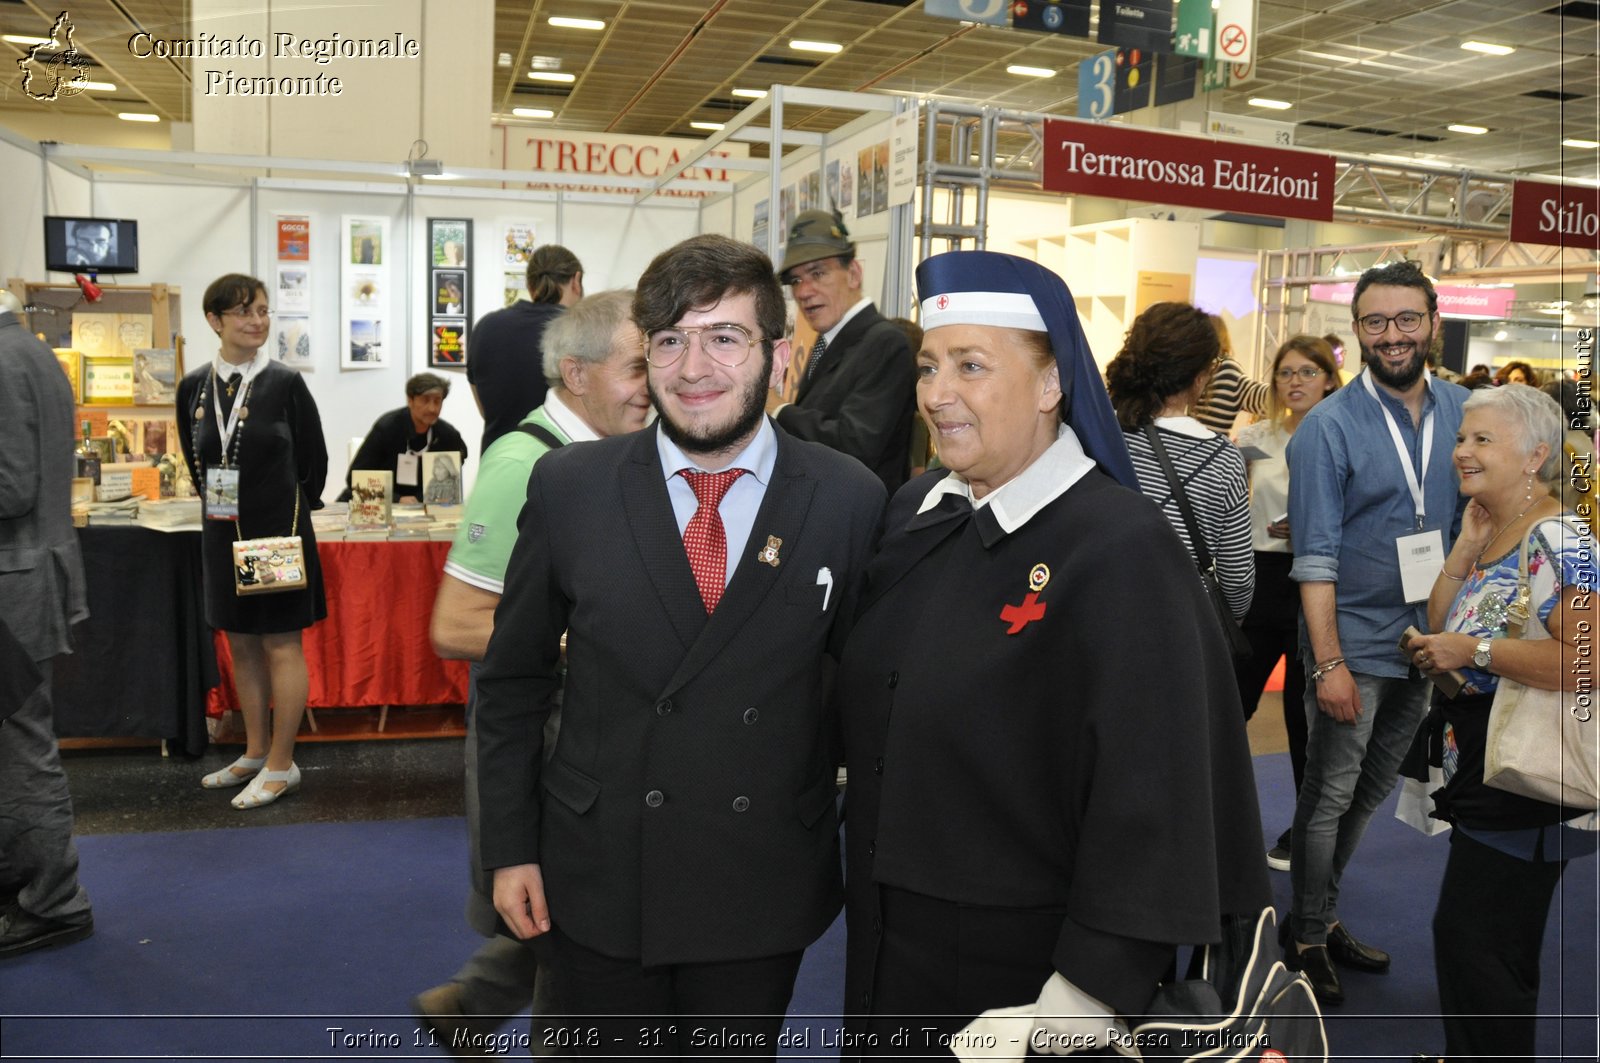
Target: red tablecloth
{"x": 373, "y": 648}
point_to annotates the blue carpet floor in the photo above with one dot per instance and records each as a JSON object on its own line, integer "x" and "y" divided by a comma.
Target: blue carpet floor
{"x": 306, "y": 941}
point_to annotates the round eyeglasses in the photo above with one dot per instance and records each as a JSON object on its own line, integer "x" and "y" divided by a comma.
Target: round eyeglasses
{"x": 727, "y": 344}
{"x": 1405, "y": 321}
{"x": 1305, "y": 372}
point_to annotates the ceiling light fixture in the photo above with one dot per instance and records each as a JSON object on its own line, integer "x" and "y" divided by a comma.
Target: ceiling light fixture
{"x": 546, "y": 75}
{"x": 1270, "y": 104}
{"x": 1575, "y": 142}
{"x": 1473, "y": 130}
{"x": 503, "y": 59}
{"x": 533, "y": 112}
{"x": 751, "y": 94}
{"x": 817, "y": 46}
{"x": 1031, "y": 71}
{"x": 576, "y": 23}
{"x": 98, "y": 86}
{"x": 23, "y": 39}
{"x": 710, "y": 127}
{"x": 1487, "y": 48}
{"x": 138, "y": 116}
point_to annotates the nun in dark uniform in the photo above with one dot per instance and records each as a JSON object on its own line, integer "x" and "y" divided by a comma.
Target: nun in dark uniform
{"x": 249, "y": 428}
{"x": 1049, "y": 784}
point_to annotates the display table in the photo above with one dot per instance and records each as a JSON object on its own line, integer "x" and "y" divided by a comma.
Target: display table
{"x": 142, "y": 663}
{"x": 373, "y": 649}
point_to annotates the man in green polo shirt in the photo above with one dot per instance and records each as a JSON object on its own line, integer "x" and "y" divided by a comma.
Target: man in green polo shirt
{"x": 594, "y": 364}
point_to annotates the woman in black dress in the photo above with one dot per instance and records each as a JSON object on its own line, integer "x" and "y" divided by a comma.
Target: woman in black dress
{"x": 249, "y": 424}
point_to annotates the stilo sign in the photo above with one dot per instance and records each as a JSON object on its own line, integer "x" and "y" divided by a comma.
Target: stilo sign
{"x": 1122, "y": 163}
{"x": 1566, "y": 215}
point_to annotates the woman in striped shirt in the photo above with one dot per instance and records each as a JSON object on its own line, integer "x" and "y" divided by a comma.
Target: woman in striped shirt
{"x": 1156, "y": 379}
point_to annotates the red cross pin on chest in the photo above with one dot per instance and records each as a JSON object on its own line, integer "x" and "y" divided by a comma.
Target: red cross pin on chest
{"x": 1031, "y": 608}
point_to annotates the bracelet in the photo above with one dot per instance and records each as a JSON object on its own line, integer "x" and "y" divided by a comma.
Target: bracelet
{"x": 1446, "y": 574}
{"x": 1324, "y": 668}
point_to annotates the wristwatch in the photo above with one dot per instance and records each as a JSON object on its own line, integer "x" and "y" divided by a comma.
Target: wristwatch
{"x": 1480, "y": 655}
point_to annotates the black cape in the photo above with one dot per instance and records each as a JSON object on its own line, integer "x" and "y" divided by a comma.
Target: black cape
{"x": 1095, "y": 761}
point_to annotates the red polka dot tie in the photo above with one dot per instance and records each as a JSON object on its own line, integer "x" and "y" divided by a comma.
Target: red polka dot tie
{"x": 704, "y": 539}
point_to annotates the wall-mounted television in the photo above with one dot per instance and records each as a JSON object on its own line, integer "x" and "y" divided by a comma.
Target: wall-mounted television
{"x": 91, "y": 245}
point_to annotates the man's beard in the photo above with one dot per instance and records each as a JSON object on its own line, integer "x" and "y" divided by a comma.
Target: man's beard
{"x": 718, "y": 441}
{"x": 1410, "y": 373}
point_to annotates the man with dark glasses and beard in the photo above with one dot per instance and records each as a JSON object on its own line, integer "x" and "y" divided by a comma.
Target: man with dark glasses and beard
{"x": 681, "y": 847}
{"x": 1374, "y": 504}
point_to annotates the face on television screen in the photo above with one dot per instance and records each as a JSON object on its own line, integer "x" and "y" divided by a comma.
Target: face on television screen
{"x": 91, "y": 245}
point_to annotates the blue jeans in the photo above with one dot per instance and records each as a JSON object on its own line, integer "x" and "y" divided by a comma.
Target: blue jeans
{"x": 1350, "y": 769}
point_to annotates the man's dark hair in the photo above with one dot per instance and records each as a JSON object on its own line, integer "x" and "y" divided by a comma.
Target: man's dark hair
{"x": 1395, "y": 275}
{"x": 231, "y": 290}
{"x": 550, "y": 267}
{"x": 702, "y": 271}
{"x": 422, "y": 383}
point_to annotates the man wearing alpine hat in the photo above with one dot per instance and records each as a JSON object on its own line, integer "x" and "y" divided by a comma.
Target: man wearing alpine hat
{"x": 857, "y": 392}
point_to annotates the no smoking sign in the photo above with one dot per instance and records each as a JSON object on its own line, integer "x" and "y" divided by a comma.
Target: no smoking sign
{"x": 1233, "y": 40}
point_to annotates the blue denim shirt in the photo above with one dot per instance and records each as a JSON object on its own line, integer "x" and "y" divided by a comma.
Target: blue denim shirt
{"x": 1349, "y": 503}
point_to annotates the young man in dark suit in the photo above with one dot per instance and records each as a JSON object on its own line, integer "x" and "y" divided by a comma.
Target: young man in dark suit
{"x": 42, "y": 904}
{"x": 681, "y": 845}
{"x": 857, "y": 392}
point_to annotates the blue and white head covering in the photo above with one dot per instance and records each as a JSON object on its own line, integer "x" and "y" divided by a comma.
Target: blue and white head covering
{"x": 1004, "y": 291}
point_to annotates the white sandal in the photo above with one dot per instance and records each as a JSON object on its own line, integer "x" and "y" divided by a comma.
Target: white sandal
{"x": 256, "y": 794}
{"x": 219, "y": 780}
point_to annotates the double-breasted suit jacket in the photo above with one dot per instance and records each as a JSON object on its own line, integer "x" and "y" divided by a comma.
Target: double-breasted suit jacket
{"x": 861, "y": 398}
{"x": 688, "y": 812}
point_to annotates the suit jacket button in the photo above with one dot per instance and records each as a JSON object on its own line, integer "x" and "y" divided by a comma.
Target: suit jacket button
{"x": 872, "y": 848}
{"x": 877, "y": 766}
{"x": 894, "y": 680}
{"x": 751, "y": 716}
{"x": 654, "y": 798}
{"x": 741, "y": 804}
{"x": 664, "y": 707}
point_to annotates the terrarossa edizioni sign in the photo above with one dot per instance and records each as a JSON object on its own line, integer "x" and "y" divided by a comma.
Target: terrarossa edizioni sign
{"x": 1547, "y": 213}
{"x": 1116, "y": 162}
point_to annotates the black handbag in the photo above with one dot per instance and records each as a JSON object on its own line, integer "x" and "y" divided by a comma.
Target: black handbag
{"x": 1238, "y": 645}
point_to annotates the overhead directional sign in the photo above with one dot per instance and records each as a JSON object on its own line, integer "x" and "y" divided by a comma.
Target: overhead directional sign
{"x": 991, "y": 12}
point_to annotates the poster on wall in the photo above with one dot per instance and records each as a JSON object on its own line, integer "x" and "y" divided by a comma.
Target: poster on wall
{"x": 450, "y": 289}
{"x": 364, "y": 290}
{"x": 516, "y": 287}
{"x": 518, "y": 243}
{"x": 294, "y": 290}
{"x": 291, "y": 298}
{"x": 448, "y": 344}
{"x": 864, "y": 186}
{"x": 448, "y": 242}
{"x": 903, "y": 158}
{"x": 294, "y": 340}
{"x": 759, "y": 232}
{"x": 294, "y": 238}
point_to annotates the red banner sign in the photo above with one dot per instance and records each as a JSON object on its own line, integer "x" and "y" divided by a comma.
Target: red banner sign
{"x": 1566, "y": 215}
{"x": 1122, "y": 163}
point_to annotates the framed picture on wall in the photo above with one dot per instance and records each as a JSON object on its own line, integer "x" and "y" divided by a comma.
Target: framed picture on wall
{"x": 449, "y": 300}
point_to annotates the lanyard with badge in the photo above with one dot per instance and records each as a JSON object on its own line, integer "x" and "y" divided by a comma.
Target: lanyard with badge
{"x": 222, "y": 484}
{"x": 408, "y": 466}
{"x": 1421, "y": 553}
